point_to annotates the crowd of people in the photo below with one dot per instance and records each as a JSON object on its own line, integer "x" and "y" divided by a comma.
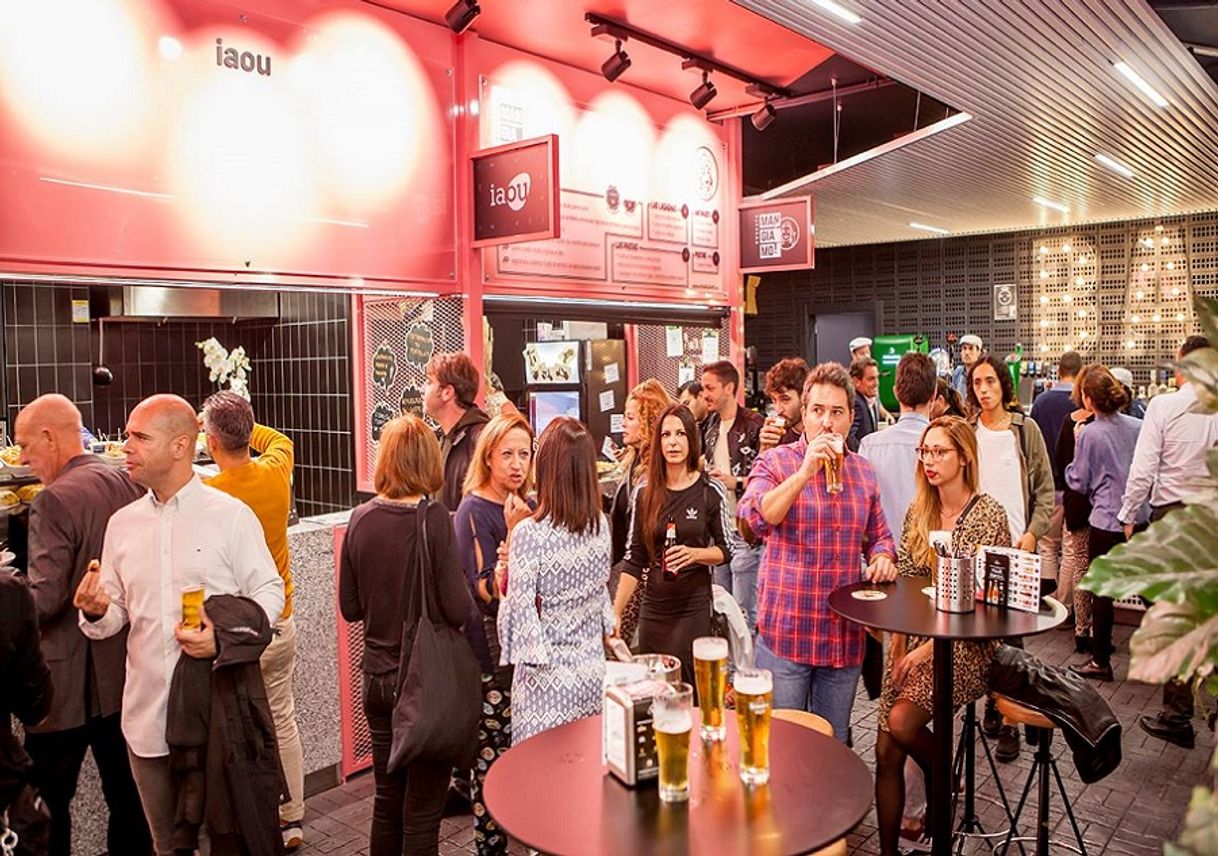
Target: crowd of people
{"x": 504, "y": 538}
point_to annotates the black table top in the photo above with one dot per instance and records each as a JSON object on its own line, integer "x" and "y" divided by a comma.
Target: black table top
{"x": 907, "y": 610}
{"x": 552, "y": 793}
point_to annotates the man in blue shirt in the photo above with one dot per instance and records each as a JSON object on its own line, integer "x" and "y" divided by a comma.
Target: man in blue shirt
{"x": 1050, "y": 410}
{"x": 970, "y": 351}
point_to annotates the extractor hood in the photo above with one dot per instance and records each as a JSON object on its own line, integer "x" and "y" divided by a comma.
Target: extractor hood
{"x": 156, "y": 303}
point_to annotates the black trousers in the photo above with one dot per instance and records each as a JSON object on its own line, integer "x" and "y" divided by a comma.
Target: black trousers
{"x": 408, "y": 804}
{"x": 57, "y": 758}
{"x": 1178, "y": 702}
{"x": 1099, "y": 542}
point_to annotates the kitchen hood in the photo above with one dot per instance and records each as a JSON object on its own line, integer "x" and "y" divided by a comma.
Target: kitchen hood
{"x": 157, "y": 303}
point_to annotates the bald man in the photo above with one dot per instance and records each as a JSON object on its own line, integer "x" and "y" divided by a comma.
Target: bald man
{"x": 67, "y": 524}
{"x": 181, "y": 533}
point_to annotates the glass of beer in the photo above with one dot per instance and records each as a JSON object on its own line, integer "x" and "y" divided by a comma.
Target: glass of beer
{"x": 833, "y": 466}
{"x": 192, "y": 602}
{"x": 754, "y": 699}
{"x": 710, "y": 675}
{"x": 672, "y": 719}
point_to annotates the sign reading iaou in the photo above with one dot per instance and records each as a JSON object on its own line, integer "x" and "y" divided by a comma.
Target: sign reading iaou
{"x": 516, "y": 196}
{"x": 776, "y": 235}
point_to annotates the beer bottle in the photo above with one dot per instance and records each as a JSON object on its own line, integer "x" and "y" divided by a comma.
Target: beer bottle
{"x": 670, "y": 540}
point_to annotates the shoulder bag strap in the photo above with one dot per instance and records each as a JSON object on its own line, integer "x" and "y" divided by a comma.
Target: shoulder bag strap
{"x": 967, "y": 508}
{"x": 424, "y": 574}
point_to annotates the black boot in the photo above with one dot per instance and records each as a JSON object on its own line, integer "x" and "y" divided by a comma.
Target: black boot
{"x": 1008, "y": 744}
{"x": 1173, "y": 729}
{"x": 991, "y": 719}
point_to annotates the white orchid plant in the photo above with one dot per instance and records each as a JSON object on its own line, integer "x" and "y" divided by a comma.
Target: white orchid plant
{"x": 226, "y": 367}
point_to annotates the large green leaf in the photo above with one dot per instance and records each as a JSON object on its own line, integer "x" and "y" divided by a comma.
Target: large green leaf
{"x": 1207, "y": 314}
{"x": 1201, "y": 368}
{"x": 1176, "y": 559}
{"x": 1200, "y": 834}
{"x": 1175, "y": 640}
{"x": 1211, "y": 463}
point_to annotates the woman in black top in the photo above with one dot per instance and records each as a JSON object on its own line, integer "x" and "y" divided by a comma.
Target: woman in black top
{"x": 26, "y": 681}
{"x": 1076, "y": 529}
{"x": 677, "y": 603}
{"x": 376, "y": 554}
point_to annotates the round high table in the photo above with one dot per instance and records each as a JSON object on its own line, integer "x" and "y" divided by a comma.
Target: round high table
{"x": 906, "y": 609}
{"x": 552, "y": 793}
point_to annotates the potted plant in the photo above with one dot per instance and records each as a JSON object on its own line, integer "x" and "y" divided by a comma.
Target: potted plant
{"x": 226, "y": 367}
{"x": 1174, "y": 563}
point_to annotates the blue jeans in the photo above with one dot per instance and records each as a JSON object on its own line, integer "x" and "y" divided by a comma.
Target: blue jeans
{"x": 822, "y": 690}
{"x": 740, "y": 577}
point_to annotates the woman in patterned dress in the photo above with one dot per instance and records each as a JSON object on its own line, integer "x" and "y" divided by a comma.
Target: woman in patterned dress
{"x": 946, "y": 501}
{"x": 555, "y": 612}
{"x": 642, "y": 415}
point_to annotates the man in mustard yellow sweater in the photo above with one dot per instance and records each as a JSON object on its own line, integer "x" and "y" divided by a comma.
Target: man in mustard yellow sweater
{"x": 264, "y": 484}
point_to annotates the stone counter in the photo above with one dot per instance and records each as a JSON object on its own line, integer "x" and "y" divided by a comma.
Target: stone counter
{"x": 311, "y": 543}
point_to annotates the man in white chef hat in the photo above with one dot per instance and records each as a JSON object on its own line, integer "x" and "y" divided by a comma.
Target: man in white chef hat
{"x": 970, "y": 350}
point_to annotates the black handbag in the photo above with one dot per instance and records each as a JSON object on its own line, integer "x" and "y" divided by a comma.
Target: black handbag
{"x": 435, "y": 716}
{"x": 25, "y": 825}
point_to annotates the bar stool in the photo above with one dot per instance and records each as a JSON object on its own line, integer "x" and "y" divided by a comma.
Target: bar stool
{"x": 964, "y": 770}
{"x": 1015, "y": 713}
{"x": 822, "y": 726}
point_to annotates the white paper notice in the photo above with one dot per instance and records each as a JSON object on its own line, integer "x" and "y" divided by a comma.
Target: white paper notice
{"x": 545, "y": 331}
{"x": 685, "y": 373}
{"x": 611, "y": 375}
{"x": 606, "y": 400}
{"x": 675, "y": 347}
{"x": 616, "y": 425}
{"x": 608, "y": 448}
{"x": 710, "y": 348}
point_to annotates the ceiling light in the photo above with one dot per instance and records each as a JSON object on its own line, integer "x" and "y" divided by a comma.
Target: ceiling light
{"x": 1048, "y": 203}
{"x": 926, "y": 228}
{"x": 838, "y": 10}
{"x": 616, "y": 65}
{"x": 461, "y": 14}
{"x": 1114, "y": 165}
{"x": 1137, "y": 80}
{"x": 704, "y": 94}
{"x": 764, "y": 117}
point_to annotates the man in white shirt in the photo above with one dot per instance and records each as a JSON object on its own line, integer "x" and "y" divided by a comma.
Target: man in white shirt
{"x": 1168, "y": 470}
{"x": 181, "y": 533}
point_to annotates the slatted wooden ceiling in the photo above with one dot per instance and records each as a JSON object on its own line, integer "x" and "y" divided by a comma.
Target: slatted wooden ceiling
{"x": 1038, "y": 78}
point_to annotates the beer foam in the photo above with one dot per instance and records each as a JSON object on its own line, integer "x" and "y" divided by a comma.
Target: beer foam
{"x": 753, "y": 683}
{"x": 710, "y": 648}
{"x": 673, "y": 722}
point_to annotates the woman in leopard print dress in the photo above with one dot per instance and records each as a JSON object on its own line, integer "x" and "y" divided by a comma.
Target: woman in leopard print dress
{"x": 946, "y": 503}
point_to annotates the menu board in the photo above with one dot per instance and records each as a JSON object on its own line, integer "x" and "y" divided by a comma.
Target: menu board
{"x": 638, "y": 206}
{"x": 776, "y": 235}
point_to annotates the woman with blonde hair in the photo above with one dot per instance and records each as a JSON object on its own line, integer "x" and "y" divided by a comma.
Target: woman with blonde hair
{"x": 641, "y": 415}
{"x": 947, "y": 507}
{"x": 376, "y": 552}
{"x": 498, "y": 480}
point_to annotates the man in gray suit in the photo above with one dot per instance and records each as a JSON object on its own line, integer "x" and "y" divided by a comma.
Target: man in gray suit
{"x": 67, "y": 522}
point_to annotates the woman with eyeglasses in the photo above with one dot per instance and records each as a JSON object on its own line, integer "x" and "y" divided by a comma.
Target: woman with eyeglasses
{"x": 947, "y": 508}
{"x": 679, "y": 532}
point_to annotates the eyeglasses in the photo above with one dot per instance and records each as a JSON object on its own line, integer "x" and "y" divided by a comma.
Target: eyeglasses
{"x": 926, "y": 453}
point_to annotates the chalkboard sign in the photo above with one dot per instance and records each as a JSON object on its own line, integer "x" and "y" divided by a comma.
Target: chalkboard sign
{"x": 381, "y": 414}
{"x": 384, "y": 366}
{"x": 412, "y": 401}
{"x": 419, "y": 345}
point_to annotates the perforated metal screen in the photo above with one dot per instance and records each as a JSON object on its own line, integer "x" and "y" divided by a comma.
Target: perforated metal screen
{"x": 1133, "y": 282}
{"x": 654, "y": 362}
{"x": 404, "y": 333}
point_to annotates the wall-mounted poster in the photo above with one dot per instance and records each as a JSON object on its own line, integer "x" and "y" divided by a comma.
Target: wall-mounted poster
{"x": 776, "y": 235}
{"x": 551, "y": 362}
{"x": 514, "y": 187}
{"x": 1006, "y": 308}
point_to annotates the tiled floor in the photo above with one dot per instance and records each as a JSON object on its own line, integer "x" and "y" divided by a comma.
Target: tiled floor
{"x": 1132, "y": 811}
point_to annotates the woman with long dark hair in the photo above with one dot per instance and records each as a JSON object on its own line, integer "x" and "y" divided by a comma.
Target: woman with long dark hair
{"x": 639, "y": 421}
{"x": 679, "y": 534}
{"x": 946, "y": 500}
{"x": 556, "y": 611}
{"x": 1103, "y": 455}
{"x": 379, "y": 542}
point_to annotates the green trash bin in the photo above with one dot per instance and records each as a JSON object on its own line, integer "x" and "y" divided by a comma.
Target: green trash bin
{"x": 887, "y": 351}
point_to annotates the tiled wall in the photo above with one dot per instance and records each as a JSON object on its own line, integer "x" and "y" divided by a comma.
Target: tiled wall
{"x": 300, "y": 378}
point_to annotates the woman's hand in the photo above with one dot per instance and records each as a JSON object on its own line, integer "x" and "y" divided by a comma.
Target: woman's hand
{"x": 515, "y": 509}
{"x": 678, "y": 557}
{"x": 903, "y": 666}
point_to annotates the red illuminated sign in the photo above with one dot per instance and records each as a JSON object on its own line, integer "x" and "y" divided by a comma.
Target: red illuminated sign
{"x": 516, "y": 192}
{"x": 776, "y": 235}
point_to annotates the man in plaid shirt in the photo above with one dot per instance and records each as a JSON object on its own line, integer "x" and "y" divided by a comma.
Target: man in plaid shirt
{"x": 814, "y": 543}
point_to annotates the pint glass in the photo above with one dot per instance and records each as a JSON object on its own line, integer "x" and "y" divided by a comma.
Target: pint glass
{"x": 672, "y": 721}
{"x": 833, "y": 466}
{"x": 710, "y": 675}
{"x": 754, "y": 698}
{"x": 192, "y": 602}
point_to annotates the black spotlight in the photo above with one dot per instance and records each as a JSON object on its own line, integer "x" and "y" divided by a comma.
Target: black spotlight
{"x": 616, "y": 65}
{"x": 461, "y": 14}
{"x": 704, "y": 94}
{"x": 764, "y": 117}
